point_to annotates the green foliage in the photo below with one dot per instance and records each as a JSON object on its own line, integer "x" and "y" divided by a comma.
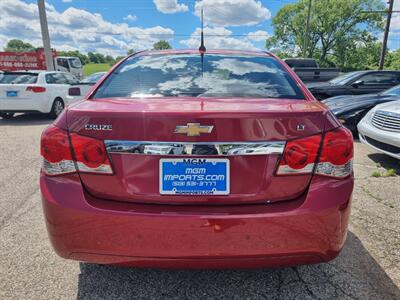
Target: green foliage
{"x": 390, "y": 173}
{"x": 131, "y": 51}
{"x": 119, "y": 58}
{"x": 393, "y": 60}
{"x": 19, "y": 46}
{"x": 340, "y": 32}
{"x": 162, "y": 45}
{"x": 98, "y": 58}
{"x": 376, "y": 174}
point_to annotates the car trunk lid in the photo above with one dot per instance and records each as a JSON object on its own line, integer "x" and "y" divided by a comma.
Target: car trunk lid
{"x": 152, "y": 123}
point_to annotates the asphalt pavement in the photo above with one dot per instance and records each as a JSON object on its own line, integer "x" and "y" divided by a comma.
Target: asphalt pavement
{"x": 367, "y": 268}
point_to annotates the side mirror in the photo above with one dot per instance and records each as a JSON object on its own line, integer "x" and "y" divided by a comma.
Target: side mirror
{"x": 357, "y": 83}
{"x": 75, "y": 91}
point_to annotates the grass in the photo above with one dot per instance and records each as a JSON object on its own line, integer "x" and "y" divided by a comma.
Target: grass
{"x": 390, "y": 173}
{"x": 93, "y": 68}
{"x": 376, "y": 174}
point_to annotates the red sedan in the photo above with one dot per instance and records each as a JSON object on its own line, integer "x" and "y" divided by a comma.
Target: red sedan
{"x": 181, "y": 159}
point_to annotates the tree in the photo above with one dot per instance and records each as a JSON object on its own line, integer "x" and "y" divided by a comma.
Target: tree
{"x": 393, "y": 60}
{"x": 162, "y": 45}
{"x": 109, "y": 59}
{"x": 93, "y": 58}
{"x": 131, "y": 51}
{"x": 19, "y": 46}
{"x": 118, "y": 59}
{"x": 333, "y": 23}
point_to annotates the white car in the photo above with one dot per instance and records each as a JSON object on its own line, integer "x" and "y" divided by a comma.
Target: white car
{"x": 163, "y": 149}
{"x": 380, "y": 128}
{"x": 88, "y": 82}
{"x": 35, "y": 91}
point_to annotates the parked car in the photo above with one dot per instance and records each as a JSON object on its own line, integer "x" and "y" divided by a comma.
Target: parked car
{"x": 93, "y": 78}
{"x": 34, "y": 91}
{"x": 86, "y": 84}
{"x": 351, "y": 109}
{"x": 355, "y": 83}
{"x": 309, "y": 71}
{"x": 163, "y": 149}
{"x": 380, "y": 128}
{"x": 288, "y": 204}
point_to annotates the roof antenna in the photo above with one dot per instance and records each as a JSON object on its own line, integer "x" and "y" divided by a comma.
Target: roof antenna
{"x": 202, "y": 48}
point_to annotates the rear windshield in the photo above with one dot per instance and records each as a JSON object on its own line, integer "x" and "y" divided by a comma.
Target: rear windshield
{"x": 301, "y": 63}
{"x": 191, "y": 75}
{"x": 22, "y": 78}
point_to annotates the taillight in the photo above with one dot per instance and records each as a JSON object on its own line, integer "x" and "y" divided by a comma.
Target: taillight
{"x": 336, "y": 158}
{"x": 36, "y": 89}
{"x": 299, "y": 156}
{"x": 90, "y": 155}
{"x": 56, "y": 152}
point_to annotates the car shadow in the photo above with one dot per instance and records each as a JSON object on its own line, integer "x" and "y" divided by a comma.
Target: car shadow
{"x": 353, "y": 275}
{"x": 386, "y": 161}
{"x": 27, "y": 119}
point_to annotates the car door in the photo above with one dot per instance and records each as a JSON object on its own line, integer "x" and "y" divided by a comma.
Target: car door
{"x": 375, "y": 82}
{"x": 58, "y": 86}
{"x": 62, "y": 64}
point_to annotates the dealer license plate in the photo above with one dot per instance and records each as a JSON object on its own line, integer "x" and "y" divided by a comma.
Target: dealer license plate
{"x": 194, "y": 176}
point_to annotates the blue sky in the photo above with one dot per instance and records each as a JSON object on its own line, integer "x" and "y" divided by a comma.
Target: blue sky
{"x": 147, "y": 15}
{"x": 113, "y": 27}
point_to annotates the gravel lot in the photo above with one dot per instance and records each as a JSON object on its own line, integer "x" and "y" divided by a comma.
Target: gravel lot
{"x": 368, "y": 267}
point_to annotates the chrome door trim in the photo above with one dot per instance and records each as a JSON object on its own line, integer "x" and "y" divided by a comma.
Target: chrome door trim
{"x": 196, "y": 149}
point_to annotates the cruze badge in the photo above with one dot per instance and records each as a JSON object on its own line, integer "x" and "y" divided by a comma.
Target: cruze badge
{"x": 193, "y": 129}
{"x": 98, "y": 127}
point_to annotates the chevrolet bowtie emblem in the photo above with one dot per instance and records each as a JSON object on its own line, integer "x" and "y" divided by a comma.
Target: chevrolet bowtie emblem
{"x": 193, "y": 129}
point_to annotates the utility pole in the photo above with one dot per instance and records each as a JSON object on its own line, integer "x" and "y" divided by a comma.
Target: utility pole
{"x": 45, "y": 35}
{"x": 386, "y": 35}
{"x": 305, "y": 45}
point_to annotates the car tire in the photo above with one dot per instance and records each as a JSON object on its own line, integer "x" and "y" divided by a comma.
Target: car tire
{"x": 57, "y": 108}
{"x": 6, "y": 115}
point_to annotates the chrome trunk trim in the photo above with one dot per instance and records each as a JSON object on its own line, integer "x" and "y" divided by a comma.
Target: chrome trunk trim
{"x": 198, "y": 149}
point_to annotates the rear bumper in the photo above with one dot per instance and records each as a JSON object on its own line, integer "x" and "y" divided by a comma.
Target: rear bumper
{"x": 26, "y": 105}
{"x": 310, "y": 229}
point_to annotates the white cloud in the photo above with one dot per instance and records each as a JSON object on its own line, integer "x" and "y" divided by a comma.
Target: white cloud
{"x": 130, "y": 18}
{"x": 395, "y": 24}
{"x": 170, "y": 6}
{"x": 66, "y": 1}
{"x": 218, "y": 38}
{"x": 75, "y": 29}
{"x": 232, "y": 12}
{"x": 258, "y": 36}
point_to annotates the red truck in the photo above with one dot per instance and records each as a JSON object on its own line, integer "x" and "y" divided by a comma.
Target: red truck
{"x": 18, "y": 61}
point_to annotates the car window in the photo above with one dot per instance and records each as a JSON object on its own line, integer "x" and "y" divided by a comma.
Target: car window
{"x": 189, "y": 75}
{"x": 19, "y": 78}
{"x": 75, "y": 62}
{"x": 380, "y": 78}
{"x": 63, "y": 62}
{"x": 301, "y": 63}
{"x": 345, "y": 78}
{"x": 393, "y": 91}
{"x": 56, "y": 78}
{"x": 93, "y": 78}
{"x": 71, "y": 79}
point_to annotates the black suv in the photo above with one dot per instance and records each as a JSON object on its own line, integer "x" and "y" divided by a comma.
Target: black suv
{"x": 355, "y": 83}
